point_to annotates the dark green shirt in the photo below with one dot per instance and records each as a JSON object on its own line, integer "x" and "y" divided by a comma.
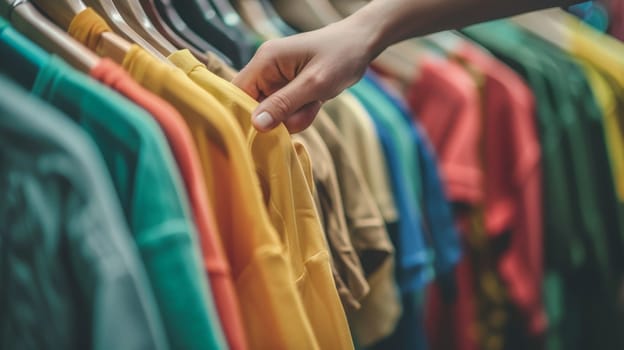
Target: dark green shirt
{"x": 71, "y": 277}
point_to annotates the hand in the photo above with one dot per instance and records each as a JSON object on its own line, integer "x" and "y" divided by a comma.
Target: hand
{"x": 293, "y": 76}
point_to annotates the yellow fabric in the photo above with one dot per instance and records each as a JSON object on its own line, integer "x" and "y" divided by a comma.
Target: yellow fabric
{"x": 606, "y": 55}
{"x": 87, "y": 27}
{"x": 360, "y": 138}
{"x": 290, "y": 205}
{"x": 272, "y": 309}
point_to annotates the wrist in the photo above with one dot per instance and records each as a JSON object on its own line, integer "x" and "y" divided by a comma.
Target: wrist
{"x": 367, "y": 30}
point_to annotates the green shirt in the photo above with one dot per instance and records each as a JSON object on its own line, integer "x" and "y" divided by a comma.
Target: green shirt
{"x": 149, "y": 188}
{"x": 71, "y": 277}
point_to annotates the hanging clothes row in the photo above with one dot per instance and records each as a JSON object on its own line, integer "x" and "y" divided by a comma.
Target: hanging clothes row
{"x": 524, "y": 117}
{"x": 466, "y": 194}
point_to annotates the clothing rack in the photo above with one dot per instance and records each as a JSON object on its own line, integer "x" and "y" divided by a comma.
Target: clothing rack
{"x": 467, "y": 193}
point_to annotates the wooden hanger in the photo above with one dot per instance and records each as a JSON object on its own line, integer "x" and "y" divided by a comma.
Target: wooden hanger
{"x": 63, "y": 11}
{"x": 108, "y": 10}
{"x": 30, "y": 22}
{"x": 136, "y": 17}
{"x": 548, "y": 25}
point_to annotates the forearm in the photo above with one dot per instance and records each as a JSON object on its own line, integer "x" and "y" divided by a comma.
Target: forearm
{"x": 385, "y": 22}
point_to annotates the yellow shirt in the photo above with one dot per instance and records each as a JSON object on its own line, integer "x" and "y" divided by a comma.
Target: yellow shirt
{"x": 606, "y": 55}
{"x": 290, "y": 205}
{"x": 272, "y": 308}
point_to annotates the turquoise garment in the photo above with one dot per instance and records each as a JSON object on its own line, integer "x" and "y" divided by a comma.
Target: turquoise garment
{"x": 71, "y": 277}
{"x": 414, "y": 259}
{"x": 440, "y": 237}
{"x": 582, "y": 233}
{"x": 593, "y": 13}
{"x": 149, "y": 188}
{"x": 443, "y": 237}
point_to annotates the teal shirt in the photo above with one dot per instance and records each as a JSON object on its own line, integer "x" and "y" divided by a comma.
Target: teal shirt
{"x": 149, "y": 188}
{"x": 71, "y": 275}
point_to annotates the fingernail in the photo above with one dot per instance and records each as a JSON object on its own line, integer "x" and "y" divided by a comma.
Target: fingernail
{"x": 263, "y": 120}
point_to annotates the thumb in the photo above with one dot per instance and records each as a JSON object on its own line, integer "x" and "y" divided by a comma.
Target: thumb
{"x": 286, "y": 102}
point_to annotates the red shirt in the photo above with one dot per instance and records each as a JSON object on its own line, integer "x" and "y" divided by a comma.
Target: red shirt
{"x": 181, "y": 143}
{"x": 445, "y": 100}
{"x": 459, "y": 118}
{"x": 616, "y": 12}
{"x": 513, "y": 189}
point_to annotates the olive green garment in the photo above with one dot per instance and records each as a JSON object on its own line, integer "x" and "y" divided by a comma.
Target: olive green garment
{"x": 149, "y": 188}
{"x": 582, "y": 227}
{"x": 71, "y": 277}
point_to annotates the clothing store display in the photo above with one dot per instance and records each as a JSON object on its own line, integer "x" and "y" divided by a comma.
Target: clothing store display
{"x": 467, "y": 193}
{"x": 574, "y": 129}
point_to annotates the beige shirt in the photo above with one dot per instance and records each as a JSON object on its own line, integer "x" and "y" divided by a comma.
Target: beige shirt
{"x": 217, "y": 66}
{"x": 346, "y": 267}
{"x": 362, "y": 144}
{"x": 381, "y": 308}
